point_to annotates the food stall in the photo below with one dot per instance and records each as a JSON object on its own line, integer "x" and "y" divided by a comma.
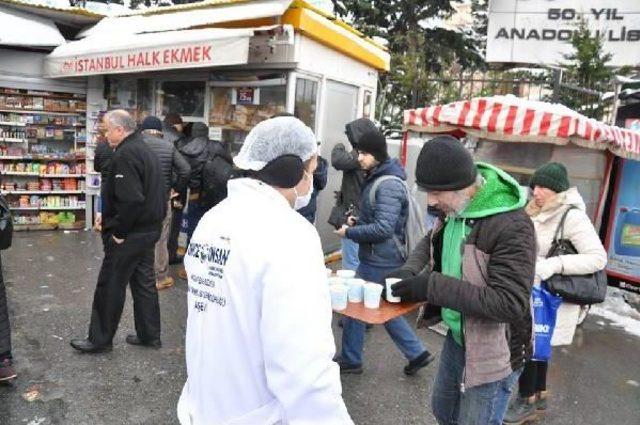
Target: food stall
{"x": 230, "y": 64}
{"x": 519, "y": 135}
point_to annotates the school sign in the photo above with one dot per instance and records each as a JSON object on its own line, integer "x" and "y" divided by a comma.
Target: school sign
{"x": 539, "y": 31}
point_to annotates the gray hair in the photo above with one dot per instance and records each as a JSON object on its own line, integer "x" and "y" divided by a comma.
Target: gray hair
{"x": 121, "y": 118}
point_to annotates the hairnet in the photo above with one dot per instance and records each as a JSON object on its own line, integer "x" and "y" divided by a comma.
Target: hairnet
{"x": 273, "y": 138}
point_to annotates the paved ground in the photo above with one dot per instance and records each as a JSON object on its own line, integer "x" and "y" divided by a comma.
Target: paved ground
{"x": 50, "y": 280}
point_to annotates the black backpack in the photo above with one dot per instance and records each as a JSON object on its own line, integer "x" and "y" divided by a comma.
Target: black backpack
{"x": 6, "y": 224}
{"x": 215, "y": 174}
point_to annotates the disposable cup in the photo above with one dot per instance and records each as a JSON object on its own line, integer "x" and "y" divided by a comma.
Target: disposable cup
{"x": 356, "y": 290}
{"x": 390, "y": 297}
{"x": 338, "y": 297}
{"x": 372, "y": 292}
{"x": 333, "y": 280}
{"x": 346, "y": 274}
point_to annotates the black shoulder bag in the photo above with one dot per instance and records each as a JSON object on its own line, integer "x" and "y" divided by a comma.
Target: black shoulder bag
{"x": 578, "y": 289}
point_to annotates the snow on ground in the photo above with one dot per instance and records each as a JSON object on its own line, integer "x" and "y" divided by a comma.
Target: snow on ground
{"x": 618, "y": 311}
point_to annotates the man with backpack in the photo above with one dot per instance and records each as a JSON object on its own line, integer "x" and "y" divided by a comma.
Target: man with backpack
{"x": 380, "y": 231}
{"x": 210, "y": 169}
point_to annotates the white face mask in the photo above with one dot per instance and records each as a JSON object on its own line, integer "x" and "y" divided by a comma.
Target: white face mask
{"x": 303, "y": 201}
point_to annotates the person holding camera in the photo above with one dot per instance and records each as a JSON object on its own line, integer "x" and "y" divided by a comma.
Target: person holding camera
{"x": 348, "y": 198}
{"x": 375, "y": 230}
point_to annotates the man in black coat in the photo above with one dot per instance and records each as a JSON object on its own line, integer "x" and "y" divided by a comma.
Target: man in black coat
{"x": 175, "y": 172}
{"x": 134, "y": 206}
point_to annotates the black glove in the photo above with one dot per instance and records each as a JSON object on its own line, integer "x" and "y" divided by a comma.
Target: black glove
{"x": 413, "y": 289}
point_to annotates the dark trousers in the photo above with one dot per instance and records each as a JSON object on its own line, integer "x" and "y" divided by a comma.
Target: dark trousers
{"x": 174, "y": 231}
{"x": 5, "y": 328}
{"x": 128, "y": 263}
{"x": 533, "y": 378}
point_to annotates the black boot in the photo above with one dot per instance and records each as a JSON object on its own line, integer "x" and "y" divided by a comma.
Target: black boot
{"x": 520, "y": 411}
{"x": 134, "y": 340}
{"x": 86, "y": 346}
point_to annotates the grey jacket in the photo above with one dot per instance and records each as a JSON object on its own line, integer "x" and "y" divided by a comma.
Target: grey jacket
{"x": 175, "y": 168}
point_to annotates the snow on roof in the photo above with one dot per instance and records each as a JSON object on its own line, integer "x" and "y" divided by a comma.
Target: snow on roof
{"x": 58, "y": 10}
{"x": 23, "y": 29}
{"x": 159, "y": 19}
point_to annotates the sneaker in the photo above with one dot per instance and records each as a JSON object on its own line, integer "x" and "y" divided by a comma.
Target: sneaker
{"x": 418, "y": 363}
{"x": 349, "y": 369}
{"x": 541, "y": 401}
{"x": 164, "y": 284}
{"x": 7, "y": 373}
{"x": 520, "y": 411}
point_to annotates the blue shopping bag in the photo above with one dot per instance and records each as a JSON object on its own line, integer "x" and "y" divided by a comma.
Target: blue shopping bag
{"x": 545, "y": 312}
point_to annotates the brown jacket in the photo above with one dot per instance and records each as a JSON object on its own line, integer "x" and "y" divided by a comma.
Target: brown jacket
{"x": 493, "y": 295}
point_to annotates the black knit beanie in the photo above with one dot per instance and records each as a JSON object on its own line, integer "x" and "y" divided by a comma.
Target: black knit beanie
{"x": 444, "y": 164}
{"x": 552, "y": 176}
{"x": 374, "y": 143}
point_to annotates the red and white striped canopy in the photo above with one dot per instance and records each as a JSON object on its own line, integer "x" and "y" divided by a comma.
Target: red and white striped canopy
{"x": 511, "y": 119}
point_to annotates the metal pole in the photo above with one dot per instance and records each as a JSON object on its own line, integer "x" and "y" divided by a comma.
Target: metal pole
{"x": 616, "y": 101}
{"x": 557, "y": 80}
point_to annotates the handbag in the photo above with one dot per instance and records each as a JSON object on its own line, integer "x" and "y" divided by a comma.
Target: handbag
{"x": 578, "y": 289}
{"x": 6, "y": 224}
{"x": 545, "y": 313}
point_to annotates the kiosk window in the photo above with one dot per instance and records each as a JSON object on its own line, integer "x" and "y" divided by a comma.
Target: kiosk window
{"x": 183, "y": 97}
{"x": 305, "y": 107}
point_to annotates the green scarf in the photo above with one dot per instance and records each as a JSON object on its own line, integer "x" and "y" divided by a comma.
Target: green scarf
{"x": 499, "y": 193}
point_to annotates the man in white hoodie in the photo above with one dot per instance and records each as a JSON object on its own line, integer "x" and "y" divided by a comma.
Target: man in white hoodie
{"x": 259, "y": 346}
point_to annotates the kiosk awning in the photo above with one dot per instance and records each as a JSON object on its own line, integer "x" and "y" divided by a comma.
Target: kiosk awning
{"x": 511, "y": 119}
{"x": 123, "y": 53}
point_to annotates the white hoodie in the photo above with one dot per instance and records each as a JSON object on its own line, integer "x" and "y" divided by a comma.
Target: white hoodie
{"x": 259, "y": 345}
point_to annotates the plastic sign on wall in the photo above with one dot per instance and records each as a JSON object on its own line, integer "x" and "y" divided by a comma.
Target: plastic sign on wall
{"x": 539, "y": 31}
{"x": 228, "y": 51}
{"x": 623, "y": 236}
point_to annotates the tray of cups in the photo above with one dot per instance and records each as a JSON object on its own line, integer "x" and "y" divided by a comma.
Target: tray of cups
{"x": 358, "y": 299}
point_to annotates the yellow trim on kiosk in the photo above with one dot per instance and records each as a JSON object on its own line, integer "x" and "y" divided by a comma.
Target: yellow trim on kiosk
{"x": 319, "y": 29}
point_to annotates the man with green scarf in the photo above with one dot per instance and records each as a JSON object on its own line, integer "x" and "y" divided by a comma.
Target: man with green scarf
{"x": 478, "y": 269}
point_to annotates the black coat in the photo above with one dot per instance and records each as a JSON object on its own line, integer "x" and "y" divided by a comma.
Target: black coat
{"x": 352, "y": 176}
{"x": 198, "y": 150}
{"x": 101, "y": 163}
{"x": 175, "y": 169}
{"x": 135, "y": 196}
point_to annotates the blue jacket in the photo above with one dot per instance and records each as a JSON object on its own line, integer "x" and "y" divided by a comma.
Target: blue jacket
{"x": 376, "y": 226}
{"x": 319, "y": 183}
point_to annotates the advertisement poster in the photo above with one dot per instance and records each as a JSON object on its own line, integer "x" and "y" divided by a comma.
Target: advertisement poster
{"x": 623, "y": 244}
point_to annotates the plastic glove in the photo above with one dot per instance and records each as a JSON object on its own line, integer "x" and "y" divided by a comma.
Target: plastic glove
{"x": 413, "y": 289}
{"x": 547, "y": 267}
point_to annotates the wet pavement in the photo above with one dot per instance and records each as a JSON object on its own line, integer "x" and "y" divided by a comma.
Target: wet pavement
{"x": 50, "y": 279}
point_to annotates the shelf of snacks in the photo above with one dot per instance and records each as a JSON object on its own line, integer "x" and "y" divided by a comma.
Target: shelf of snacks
{"x": 42, "y": 192}
{"x": 12, "y": 140}
{"x": 46, "y": 220}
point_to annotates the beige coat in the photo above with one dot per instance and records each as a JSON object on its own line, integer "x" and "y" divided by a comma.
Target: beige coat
{"x": 591, "y": 256}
